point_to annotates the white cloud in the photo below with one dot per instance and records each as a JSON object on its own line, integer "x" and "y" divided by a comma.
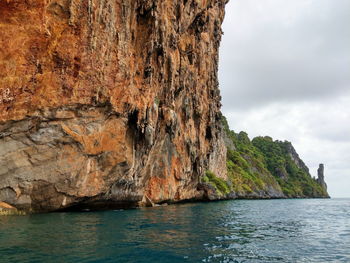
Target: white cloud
{"x": 284, "y": 50}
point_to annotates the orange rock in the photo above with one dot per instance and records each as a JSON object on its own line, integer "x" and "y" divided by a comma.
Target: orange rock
{"x": 108, "y": 101}
{"x": 7, "y": 206}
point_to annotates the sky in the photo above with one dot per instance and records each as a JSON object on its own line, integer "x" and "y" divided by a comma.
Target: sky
{"x": 285, "y": 72}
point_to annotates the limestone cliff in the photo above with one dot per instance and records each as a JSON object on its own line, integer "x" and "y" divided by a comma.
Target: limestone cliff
{"x": 108, "y": 102}
{"x": 263, "y": 168}
{"x": 289, "y": 170}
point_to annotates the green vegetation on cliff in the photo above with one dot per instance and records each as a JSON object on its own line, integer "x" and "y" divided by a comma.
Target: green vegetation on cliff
{"x": 219, "y": 184}
{"x": 263, "y": 168}
{"x": 290, "y": 172}
{"x": 246, "y": 168}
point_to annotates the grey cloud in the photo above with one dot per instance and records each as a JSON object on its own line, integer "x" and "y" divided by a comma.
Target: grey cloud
{"x": 305, "y": 59}
{"x": 334, "y": 132}
{"x": 285, "y": 72}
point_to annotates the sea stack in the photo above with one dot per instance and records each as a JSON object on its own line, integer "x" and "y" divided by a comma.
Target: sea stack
{"x": 320, "y": 176}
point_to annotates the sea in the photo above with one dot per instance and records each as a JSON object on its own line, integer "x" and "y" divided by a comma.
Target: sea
{"x": 295, "y": 230}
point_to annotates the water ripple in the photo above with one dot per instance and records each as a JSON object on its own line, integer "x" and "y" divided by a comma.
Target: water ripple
{"x": 232, "y": 231}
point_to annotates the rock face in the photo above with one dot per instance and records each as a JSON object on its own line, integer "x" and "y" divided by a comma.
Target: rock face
{"x": 6, "y": 209}
{"x": 295, "y": 157}
{"x": 288, "y": 169}
{"x": 108, "y": 102}
{"x": 320, "y": 176}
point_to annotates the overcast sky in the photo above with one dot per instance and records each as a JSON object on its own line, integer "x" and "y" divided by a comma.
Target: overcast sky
{"x": 285, "y": 72}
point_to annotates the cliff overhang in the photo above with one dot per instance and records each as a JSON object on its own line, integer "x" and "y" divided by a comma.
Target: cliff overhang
{"x": 108, "y": 101}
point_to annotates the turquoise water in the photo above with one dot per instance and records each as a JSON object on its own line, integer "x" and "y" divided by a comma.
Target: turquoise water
{"x": 231, "y": 231}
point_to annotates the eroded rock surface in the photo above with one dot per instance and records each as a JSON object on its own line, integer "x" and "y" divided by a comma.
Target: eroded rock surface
{"x": 108, "y": 102}
{"x": 320, "y": 176}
